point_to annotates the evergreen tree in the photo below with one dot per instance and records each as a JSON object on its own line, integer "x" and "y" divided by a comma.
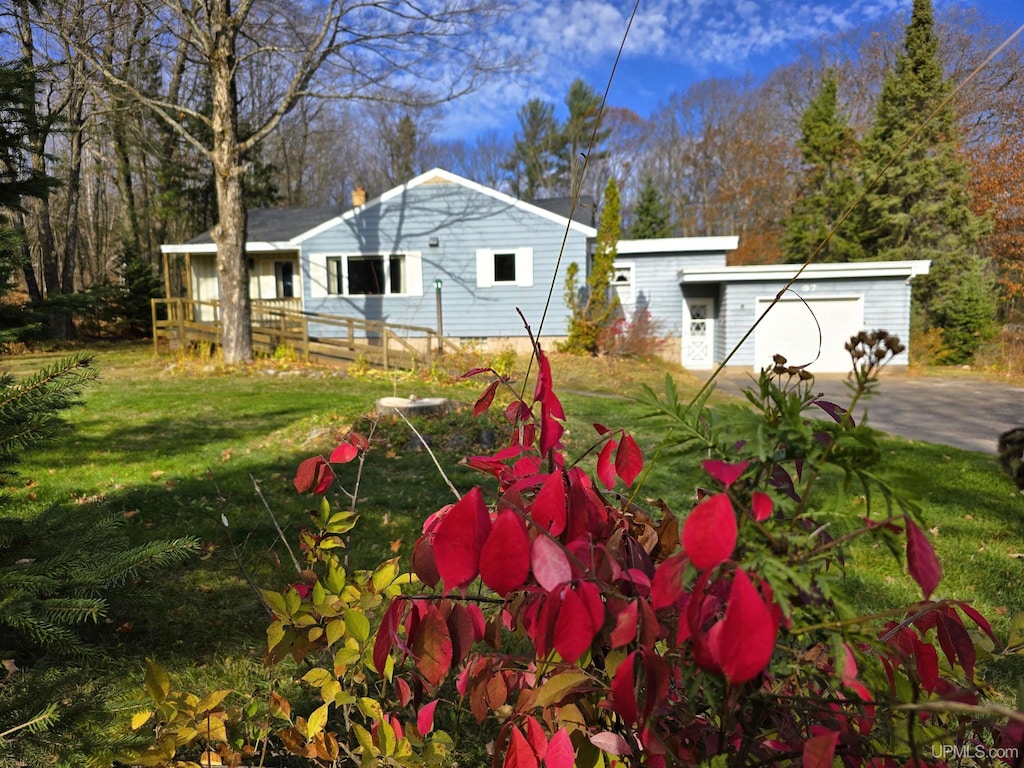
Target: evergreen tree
{"x": 919, "y": 207}
{"x": 532, "y": 161}
{"x": 650, "y": 217}
{"x": 594, "y": 309}
{"x": 584, "y": 106}
{"x": 828, "y": 187}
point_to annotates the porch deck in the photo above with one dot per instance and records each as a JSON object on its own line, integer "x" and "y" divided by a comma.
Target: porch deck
{"x": 281, "y": 323}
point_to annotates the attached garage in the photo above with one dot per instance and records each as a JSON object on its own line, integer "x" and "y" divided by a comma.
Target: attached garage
{"x": 813, "y": 317}
{"x": 813, "y": 331}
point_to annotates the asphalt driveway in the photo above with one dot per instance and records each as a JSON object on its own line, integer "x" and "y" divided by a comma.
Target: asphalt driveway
{"x": 961, "y": 410}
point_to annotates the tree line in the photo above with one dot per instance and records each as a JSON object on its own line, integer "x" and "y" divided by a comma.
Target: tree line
{"x": 123, "y": 116}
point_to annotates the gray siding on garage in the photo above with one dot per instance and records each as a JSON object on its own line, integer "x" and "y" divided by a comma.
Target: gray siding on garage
{"x": 886, "y": 305}
{"x": 657, "y": 285}
{"x": 463, "y": 220}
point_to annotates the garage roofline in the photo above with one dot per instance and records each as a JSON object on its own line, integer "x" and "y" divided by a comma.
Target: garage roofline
{"x": 777, "y": 272}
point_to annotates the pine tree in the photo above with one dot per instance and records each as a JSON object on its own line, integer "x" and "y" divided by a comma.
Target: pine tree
{"x": 594, "y": 309}
{"x": 532, "y": 161}
{"x": 55, "y": 577}
{"x": 828, "y": 188}
{"x": 919, "y": 208}
{"x": 577, "y": 133}
{"x": 650, "y": 217}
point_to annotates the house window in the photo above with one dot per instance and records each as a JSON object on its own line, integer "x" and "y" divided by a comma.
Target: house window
{"x": 504, "y": 267}
{"x": 623, "y": 281}
{"x": 367, "y": 275}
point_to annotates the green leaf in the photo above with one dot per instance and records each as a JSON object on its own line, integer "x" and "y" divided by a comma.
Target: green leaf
{"x": 157, "y": 683}
{"x": 370, "y": 708}
{"x": 1015, "y": 642}
{"x": 319, "y": 594}
{"x": 358, "y": 625}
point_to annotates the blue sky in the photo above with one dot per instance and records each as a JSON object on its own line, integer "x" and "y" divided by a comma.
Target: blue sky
{"x": 671, "y": 44}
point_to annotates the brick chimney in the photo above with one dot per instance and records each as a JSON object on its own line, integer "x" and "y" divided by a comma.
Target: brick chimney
{"x": 358, "y": 197}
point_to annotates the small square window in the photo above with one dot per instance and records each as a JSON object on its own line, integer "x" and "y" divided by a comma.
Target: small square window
{"x": 504, "y": 267}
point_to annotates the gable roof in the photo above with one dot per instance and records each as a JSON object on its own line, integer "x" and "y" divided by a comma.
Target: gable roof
{"x": 273, "y": 229}
{"x": 441, "y": 176}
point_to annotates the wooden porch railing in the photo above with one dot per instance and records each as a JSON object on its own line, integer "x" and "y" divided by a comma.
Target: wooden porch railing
{"x": 281, "y": 323}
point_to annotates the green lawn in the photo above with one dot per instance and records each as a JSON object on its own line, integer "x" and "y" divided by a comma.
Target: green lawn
{"x": 171, "y": 446}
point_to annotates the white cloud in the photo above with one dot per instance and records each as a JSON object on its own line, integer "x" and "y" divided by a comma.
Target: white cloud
{"x": 680, "y": 39}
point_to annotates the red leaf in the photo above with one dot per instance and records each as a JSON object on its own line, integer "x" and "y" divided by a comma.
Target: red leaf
{"x": 724, "y": 472}
{"x": 432, "y": 646}
{"x": 709, "y": 533}
{"x": 605, "y": 469}
{"x": 550, "y": 564}
{"x": 628, "y": 459}
{"x": 313, "y": 476}
{"x": 624, "y": 690}
{"x": 667, "y": 587}
{"x": 425, "y": 718}
{"x": 762, "y": 505}
{"x": 612, "y": 743}
{"x": 560, "y": 753}
{"x": 601, "y": 429}
{"x": 520, "y": 753}
{"x": 819, "y": 751}
{"x": 926, "y": 659}
{"x": 742, "y": 643}
{"x": 922, "y": 563}
{"x": 626, "y": 623}
{"x": 358, "y": 439}
{"x": 404, "y": 691}
{"x": 386, "y": 634}
{"x": 574, "y": 626}
{"x": 484, "y": 401}
{"x": 423, "y": 564}
{"x": 548, "y": 509}
{"x": 475, "y": 371}
{"x": 458, "y": 540}
{"x": 505, "y": 556}
{"x": 344, "y": 453}
{"x": 535, "y": 735}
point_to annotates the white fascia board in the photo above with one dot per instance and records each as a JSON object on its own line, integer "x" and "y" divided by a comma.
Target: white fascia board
{"x": 775, "y": 272}
{"x": 197, "y": 249}
{"x": 670, "y": 245}
{"x": 452, "y": 178}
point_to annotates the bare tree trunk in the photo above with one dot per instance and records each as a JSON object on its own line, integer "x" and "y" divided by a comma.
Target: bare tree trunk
{"x": 229, "y": 168}
{"x": 31, "y": 282}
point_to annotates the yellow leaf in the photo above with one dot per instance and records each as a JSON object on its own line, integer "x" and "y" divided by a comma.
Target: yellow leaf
{"x": 371, "y": 708}
{"x": 275, "y": 634}
{"x": 317, "y": 720}
{"x": 139, "y": 719}
{"x": 211, "y": 700}
{"x": 157, "y": 683}
{"x": 335, "y": 631}
{"x": 555, "y": 688}
{"x": 364, "y": 738}
{"x": 384, "y": 575}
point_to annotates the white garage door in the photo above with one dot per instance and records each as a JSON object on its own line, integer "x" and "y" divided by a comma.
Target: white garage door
{"x": 791, "y": 329}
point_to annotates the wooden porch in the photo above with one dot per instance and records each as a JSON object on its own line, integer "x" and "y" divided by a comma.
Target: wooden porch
{"x": 281, "y": 323}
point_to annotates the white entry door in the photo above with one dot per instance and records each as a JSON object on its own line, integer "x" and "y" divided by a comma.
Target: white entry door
{"x": 699, "y": 334}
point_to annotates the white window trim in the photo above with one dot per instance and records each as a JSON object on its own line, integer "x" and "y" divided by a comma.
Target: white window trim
{"x": 485, "y": 267}
{"x": 318, "y": 274}
{"x": 631, "y": 285}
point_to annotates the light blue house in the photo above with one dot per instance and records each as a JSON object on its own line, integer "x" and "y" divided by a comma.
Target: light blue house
{"x": 443, "y": 250}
